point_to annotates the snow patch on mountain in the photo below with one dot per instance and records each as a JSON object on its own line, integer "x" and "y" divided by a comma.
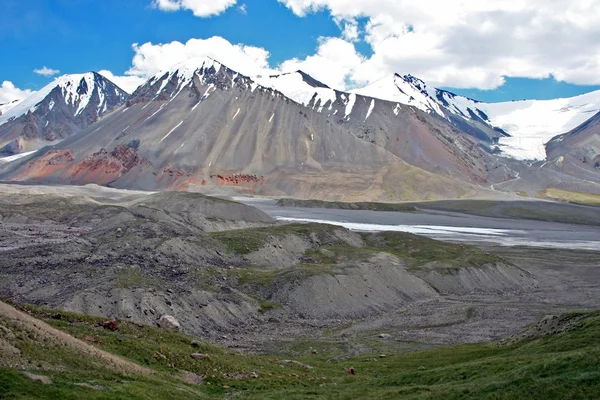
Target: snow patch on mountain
{"x": 7, "y": 106}
{"x": 532, "y": 123}
{"x": 351, "y": 100}
{"x": 402, "y": 90}
{"x": 15, "y": 157}
{"x": 371, "y": 107}
{"x": 295, "y": 86}
{"x": 171, "y": 131}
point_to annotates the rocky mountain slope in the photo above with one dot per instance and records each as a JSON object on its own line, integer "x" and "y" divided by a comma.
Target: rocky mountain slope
{"x": 383, "y": 120}
{"x": 201, "y": 123}
{"x": 64, "y": 107}
{"x": 578, "y": 149}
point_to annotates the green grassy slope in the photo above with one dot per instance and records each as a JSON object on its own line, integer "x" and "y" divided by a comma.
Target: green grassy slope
{"x": 563, "y": 364}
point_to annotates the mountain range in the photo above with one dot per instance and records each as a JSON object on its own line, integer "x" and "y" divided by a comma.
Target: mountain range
{"x": 202, "y": 124}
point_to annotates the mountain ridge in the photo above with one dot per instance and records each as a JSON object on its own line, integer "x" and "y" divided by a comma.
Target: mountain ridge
{"x": 200, "y": 123}
{"x": 209, "y": 125}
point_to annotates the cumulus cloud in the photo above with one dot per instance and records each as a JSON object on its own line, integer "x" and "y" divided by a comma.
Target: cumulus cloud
{"x": 150, "y": 59}
{"x": 128, "y": 83}
{"x": 200, "y": 8}
{"x": 243, "y": 9}
{"x": 333, "y": 63}
{"x": 45, "y": 71}
{"x": 9, "y": 93}
{"x": 350, "y": 31}
{"x": 470, "y": 44}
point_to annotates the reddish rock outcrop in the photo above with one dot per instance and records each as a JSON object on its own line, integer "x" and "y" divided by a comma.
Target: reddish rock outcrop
{"x": 53, "y": 157}
{"x": 237, "y": 179}
{"x": 103, "y": 167}
{"x": 171, "y": 177}
{"x": 173, "y": 172}
{"x": 46, "y": 165}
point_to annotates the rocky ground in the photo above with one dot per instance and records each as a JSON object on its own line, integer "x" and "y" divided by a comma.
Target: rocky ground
{"x": 228, "y": 273}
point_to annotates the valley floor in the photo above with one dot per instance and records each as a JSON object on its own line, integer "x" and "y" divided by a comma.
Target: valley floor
{"x": 320, "y": 294}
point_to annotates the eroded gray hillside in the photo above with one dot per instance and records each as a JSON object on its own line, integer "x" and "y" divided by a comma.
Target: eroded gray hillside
{"x": 222, "y": 268}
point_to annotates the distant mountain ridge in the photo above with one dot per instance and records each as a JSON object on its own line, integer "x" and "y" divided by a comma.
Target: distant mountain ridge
{"x": 520, "y": 129}
{"x": 406, "y": 90}
{"x": 517, "y": 129}
{"x": 203, "y": 124}
{"x": 200, "y": 123}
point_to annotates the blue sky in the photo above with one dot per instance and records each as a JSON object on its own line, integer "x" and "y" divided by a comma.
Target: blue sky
{"x": 75, "y": 36}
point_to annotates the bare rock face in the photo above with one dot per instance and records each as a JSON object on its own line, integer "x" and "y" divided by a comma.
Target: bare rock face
{"x": 40, "y": 378}
{"x": 237, "y": 179}
{"x": 169, "y": 323}
{"x": 110, "y": 165}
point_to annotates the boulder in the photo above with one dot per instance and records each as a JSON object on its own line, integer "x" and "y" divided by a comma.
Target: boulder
{"x": 169, "y": 322}
{"x": 40, "y": 378}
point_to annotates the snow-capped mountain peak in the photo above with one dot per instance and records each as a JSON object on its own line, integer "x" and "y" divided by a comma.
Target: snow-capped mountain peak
{"x": 185, "y": 72}
{"x": 76, "y": 90}
{"x": 406, "y": 90}
{"x": 188, "y": 67}
{"x": 62, "y": 108}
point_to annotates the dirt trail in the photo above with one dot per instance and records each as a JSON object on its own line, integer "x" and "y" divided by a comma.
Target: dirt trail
{"x": 42, "y": 328}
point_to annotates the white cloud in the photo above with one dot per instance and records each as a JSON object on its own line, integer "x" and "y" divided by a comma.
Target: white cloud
{"x": 9, "y": 93}
{"x": 127, "y": 83}
{"x": 150, "y": 59}
{"x": 200, "y": 8}
{"x": 243, "y": 9}
{"x": 45, "y": 71}
{"x": 472, "y": 43}
{"x": 333, "y": 63}
{"x": 350, "y": 31}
